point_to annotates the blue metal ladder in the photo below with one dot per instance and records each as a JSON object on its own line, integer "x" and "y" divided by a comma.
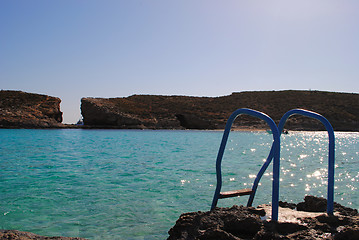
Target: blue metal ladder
{"x": 331, "y": 149}
{"x": 275, "y": 155}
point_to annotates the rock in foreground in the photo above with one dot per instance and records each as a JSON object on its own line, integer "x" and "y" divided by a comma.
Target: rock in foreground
{"x": 28, "y": 110}
{"x": 18, "y": 235}
{"x": 240, "y": 222}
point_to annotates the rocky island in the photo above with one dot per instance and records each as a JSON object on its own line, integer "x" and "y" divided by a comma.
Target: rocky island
{"x": 184, "y": 112}
{"x": 28, "y": 110}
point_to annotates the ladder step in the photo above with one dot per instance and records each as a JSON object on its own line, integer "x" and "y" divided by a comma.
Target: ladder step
{"x": 235, "y": 193}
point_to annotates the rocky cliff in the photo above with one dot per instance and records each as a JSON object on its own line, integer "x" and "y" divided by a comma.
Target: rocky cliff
{"x": 27, "y": 110}
{"x": 167, "y": 112}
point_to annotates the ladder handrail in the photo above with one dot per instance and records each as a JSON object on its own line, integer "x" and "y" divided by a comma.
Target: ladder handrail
{"x": 331, "y": 157}
{"x": 275, "y": 154}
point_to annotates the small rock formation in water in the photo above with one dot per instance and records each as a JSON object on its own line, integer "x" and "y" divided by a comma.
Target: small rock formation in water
{"x": 296, "y": 221}
{"x": 18, "y": 235}
{"x": 176, "y": 112}
{"x": 28, "y": 110}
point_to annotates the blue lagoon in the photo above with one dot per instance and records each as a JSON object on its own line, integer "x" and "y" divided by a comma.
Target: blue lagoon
{"x": 133, "y": 184}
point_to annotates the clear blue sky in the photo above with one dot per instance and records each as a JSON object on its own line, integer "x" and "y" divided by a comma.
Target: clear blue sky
{"x": 76, "y": 48}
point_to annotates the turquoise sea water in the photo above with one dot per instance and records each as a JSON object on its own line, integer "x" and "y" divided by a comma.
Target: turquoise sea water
{"x": 132, "y": 184}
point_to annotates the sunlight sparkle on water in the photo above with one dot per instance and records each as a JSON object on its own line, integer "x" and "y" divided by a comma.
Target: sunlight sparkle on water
{"x": 316, "y": 174}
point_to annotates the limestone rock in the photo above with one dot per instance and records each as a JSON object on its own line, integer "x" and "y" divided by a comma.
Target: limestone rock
{"x": 240, "y": 222}
{"x": 29, "y": 110}
{"x": 178, "y": 112}
{"x": 193, "y": 122}
{"x": 18, "y": 235}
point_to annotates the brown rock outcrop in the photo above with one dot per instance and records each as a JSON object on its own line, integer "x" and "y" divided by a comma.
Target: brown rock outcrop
{"x": 18, "y": 235}
{"x": 240, "y": 222}
{"x": 28, "y": 110}
{"x": 168, "y": 112}
{"x": 123, "y": 113}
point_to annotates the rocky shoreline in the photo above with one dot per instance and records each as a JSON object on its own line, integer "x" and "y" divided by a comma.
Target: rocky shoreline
{"x": 28, "y": 110}
{"x": 19, "y": 235}
{"x": 306, "y": 220}
{"x": 184, "y": 112}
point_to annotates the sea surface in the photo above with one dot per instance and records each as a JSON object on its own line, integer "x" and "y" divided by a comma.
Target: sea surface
{"x": 133, "y": 184}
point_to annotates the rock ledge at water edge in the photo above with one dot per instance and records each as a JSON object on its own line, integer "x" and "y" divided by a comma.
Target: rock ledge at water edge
{"x": 18, "y": 235}
{"x": 296, "y": 221}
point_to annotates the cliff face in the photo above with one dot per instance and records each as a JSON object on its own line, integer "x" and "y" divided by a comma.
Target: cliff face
{"x": 28, "y": 110}
{"x": 166, "y": 112}
{"x": 124, "y": 113}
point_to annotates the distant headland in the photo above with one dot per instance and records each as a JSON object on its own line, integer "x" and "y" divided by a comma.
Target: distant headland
{"x": 28, "y": 110}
